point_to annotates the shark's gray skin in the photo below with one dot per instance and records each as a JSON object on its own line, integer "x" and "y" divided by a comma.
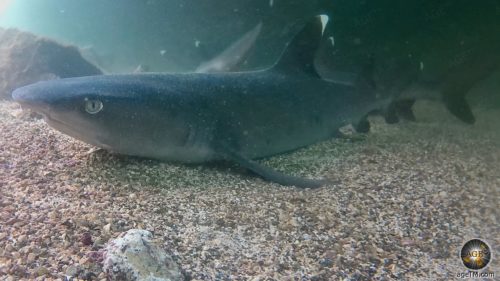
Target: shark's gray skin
{"x": 199, "y": 117}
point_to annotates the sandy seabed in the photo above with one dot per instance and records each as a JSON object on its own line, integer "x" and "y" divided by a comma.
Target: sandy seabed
{"x": 403, "y": 201}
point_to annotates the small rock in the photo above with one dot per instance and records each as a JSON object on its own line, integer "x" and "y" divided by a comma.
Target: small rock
{"x": 18, "y": 270}
{"x": 40, "y": 271}
{"x": 31, "y": 257}
{"x": 326, "y": 262}
{"x": 134, "y": 256}
{"x": 98, "y": 243}
{"x": 96, "y": 256}
{"x": 21, "y": 239}
{"x": 86, "y": 239}
{"x": 25, "y": 250}
{"x": 12, "y": 221}
{"x": 9, "y": 248}
{"x": 107, "y": 228}
{"x": 72, "y": 271}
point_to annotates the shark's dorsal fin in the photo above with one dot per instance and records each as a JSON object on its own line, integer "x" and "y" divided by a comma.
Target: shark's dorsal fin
{"x": 298, "y": 56}
{"x": 234, "y": 55}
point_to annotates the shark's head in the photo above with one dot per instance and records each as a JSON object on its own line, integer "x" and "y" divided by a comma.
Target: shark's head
{"x": 65, "y": 107}
{"x": 117, "y": 114}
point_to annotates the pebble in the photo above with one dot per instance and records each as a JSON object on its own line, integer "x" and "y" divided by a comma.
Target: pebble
{"x": 326, "y": 262}
{"x": 72, "y": 271}
{"x": 40, "y": 271}
{"x": 31, "y": 257}
{"x": 107, "y": 228}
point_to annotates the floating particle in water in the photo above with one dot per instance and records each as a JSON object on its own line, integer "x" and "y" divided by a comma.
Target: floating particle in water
{"x": 332, "y": 40}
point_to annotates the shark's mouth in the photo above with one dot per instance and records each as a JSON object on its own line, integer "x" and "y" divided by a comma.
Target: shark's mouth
{"x": 79, "y": 132}
{"x": 59, "y": 125}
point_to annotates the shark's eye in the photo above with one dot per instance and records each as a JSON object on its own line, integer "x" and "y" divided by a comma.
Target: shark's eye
{"x": 93, "y": 106}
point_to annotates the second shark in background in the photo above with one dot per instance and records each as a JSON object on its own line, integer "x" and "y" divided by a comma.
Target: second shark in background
{"x": 425, "y": 50}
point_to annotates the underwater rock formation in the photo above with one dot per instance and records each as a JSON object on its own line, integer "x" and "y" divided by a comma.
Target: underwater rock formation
{"x": 26, "y": 58}
{"x": 134, "y": 256}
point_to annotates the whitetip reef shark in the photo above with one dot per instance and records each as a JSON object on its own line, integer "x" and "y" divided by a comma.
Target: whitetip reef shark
{"x": 200, "y": 117}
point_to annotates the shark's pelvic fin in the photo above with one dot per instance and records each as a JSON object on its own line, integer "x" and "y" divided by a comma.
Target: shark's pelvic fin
{"x": 400, "y": 109}
{"x": 270, "y": 174}
{"x": 404, "y": 109}
{"x": 299, "y": 54}
{"x": 459, "y": 107}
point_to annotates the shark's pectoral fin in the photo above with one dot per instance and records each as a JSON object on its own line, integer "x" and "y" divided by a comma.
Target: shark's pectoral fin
{"x": 400, "y": 109}
{"x": 390, "y": 115}
{"x": 270, "y": 174}
{"x": 363, "y": 125}
{"x": 404, "y": 108}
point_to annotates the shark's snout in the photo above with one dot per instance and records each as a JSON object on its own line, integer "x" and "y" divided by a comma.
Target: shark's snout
{"x": 21, "y": 95}
{"x": 26, "y": 95}
{"x": 32, "y": 96}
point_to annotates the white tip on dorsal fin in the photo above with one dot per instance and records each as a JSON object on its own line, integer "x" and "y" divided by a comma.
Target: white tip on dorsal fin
{"x": 324, "y": 22}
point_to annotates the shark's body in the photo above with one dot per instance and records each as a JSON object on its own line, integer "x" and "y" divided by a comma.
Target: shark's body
{"x": 423, "y": 56}
{"x": 201, "y": 117}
